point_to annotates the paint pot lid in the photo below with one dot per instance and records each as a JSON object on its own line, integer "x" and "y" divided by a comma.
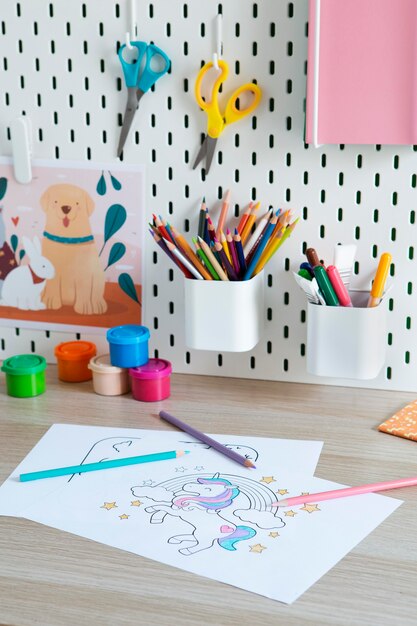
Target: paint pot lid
{"x": 24, "y": 364}
{"x": 102, "y": 365}
{"x": 128, "y": 334}
{"x": 154, "y": 368}
{"x": 75, "y": 350}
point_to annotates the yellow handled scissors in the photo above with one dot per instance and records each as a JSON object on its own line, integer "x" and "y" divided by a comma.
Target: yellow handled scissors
{"x": 216, "y": 121}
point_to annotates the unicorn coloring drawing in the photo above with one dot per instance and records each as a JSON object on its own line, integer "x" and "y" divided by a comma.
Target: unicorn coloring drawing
{"x": 206, "y": 506}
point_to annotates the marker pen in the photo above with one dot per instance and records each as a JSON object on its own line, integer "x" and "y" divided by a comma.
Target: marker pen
{"x": 325, "y": 286}
{"x": 338, "y": 286}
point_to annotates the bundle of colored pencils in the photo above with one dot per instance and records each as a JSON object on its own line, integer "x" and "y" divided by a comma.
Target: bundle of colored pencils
{"x": 237, "y": 255}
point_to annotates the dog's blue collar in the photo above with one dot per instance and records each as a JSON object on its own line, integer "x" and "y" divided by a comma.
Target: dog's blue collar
{"x": 68, "y": 239}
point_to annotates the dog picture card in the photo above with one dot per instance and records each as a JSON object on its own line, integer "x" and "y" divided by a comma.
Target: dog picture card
{"x": 71, "y": 246}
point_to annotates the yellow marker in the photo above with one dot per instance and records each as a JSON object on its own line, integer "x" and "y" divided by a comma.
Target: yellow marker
{"x": 378, "y": 285}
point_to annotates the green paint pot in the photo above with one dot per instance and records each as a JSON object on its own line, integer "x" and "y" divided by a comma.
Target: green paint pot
{"x": 25, "y": 375}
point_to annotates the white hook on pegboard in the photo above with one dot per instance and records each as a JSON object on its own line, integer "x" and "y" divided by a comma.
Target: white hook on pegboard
{"x": 219, "y": 41}
{"x": 132, "y": 35}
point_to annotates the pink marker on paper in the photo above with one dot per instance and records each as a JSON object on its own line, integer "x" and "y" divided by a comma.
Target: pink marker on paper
{"x": 338, "y": 286}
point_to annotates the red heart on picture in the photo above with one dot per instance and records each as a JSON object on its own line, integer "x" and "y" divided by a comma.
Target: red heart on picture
{"x": 15, "y": 220}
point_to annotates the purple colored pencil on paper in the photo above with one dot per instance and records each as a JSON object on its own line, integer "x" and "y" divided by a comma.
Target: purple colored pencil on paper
{"x": 206, "y": 439}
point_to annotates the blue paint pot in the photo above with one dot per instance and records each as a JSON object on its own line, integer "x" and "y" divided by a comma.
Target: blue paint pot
{"x": 128, "y": 345}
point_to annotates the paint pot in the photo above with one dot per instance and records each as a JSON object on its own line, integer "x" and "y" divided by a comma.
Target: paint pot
{"x": 73, "y": 358}
{"x": 108, "y": 380}
{"x": 25, "y": 375}
{"x": 151, "y": 382}
{"x": 128, "y": 345}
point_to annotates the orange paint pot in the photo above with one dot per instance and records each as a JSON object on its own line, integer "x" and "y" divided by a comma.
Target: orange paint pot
{"x": 73, "y": 358}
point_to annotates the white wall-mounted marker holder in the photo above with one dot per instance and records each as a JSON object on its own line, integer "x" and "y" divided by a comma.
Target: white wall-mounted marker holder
{"x": 21, "y": 136}
{"x": 225, "y": 316}
{"x": 347, "y": 342}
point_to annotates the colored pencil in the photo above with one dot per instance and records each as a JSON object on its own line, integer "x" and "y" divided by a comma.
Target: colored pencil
{"x": 253, "y": 239}
{"x": 239, "y": 251}
{"x": 232, "y": 250}
{"x": 209, "y": 254}
{"x": 206, "y": 234}
{"x": 223, "y": 241}
{"x": 225, "y": 261}
{"x": 202, "y": 218}
{"x": 348, "y": 491}
{"x": 223, "y": 214}
{"x": 162, "y": 226}
{"x": 279, "y": 240}
{"x": 162, "y": 243}
{"x": 205, "y": 260}
{"x": 211, "y": 229}
{"x": 246, "y": 232}
{"x": 189, "y": 253}
{"x": 231, "y": 454}
{"x": 265, "y": 239}
{"x": 244, "y": 218}
{"x": 101, "y": 465}
{"x": 183, "y": 259}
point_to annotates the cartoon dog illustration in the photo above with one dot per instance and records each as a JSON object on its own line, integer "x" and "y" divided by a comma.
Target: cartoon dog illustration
{"x": 69, "y": 244}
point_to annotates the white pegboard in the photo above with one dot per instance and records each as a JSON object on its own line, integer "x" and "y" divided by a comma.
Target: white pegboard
{"x": 58, "y": 65}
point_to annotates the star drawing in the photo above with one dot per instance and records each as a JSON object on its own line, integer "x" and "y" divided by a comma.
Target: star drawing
{"x": 109, "y": 505}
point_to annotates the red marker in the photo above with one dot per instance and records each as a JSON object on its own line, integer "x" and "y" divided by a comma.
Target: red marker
{"x": 338, "y": 286}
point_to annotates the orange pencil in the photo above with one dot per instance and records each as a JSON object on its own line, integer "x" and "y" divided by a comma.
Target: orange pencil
{"x": 223, "y": 214}
{"x": 244, "y": 218}
{"x": 246, "y": 232}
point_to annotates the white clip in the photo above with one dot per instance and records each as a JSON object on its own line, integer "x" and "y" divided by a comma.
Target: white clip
{"x": 21, "y": 134}
{"x": 219, "y": 42}
{"x": 132, "y": 35}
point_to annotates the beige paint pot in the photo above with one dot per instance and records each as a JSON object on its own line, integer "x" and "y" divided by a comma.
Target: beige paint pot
{"x": 108, "y": 380}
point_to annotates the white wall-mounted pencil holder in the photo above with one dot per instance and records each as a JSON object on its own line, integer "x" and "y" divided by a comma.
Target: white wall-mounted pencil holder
{"x": 347, "y": 342}
{"x": 226, "y": 316}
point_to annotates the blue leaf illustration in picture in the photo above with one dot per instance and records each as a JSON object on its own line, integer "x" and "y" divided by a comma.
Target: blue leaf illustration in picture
{"x": 3, "y": 187}
{"x": 127, "y": 285}
{"x": 101, "y": 185}
{"x": 22, "y": 254}
{"x": 116, "y": 253}
{"x": 115, "y": 218}
{"x": 117, "y": 185}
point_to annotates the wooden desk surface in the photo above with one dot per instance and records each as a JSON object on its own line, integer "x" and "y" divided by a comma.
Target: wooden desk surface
{"x": 49, "y": 577}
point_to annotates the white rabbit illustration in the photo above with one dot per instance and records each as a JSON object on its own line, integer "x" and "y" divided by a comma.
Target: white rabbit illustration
{"x": 22, "y": 288}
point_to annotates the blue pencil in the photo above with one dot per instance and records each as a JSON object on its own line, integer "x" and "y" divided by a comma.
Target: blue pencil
{"x": 92, "y": 467}
{"x": 261, "y": 247}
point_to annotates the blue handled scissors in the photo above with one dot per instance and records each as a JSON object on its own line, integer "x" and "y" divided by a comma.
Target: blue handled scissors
{"x": 139, "y": 78}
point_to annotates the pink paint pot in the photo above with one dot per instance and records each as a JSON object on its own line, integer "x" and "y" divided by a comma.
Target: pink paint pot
{"x": 108, "y": 380}
{"x": 151, "y": 382}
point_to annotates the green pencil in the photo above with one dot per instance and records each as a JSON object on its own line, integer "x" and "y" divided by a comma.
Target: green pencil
{"x": 92, "y": 467}
{"x": 202, "y": 255}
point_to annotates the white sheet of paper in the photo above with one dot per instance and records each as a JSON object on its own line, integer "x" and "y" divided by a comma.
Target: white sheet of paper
{"x": 65, "y": 445}
{"x": 202, "y": 513}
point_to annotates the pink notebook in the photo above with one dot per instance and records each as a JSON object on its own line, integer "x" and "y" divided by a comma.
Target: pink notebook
{"x": 362, "y": 72}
